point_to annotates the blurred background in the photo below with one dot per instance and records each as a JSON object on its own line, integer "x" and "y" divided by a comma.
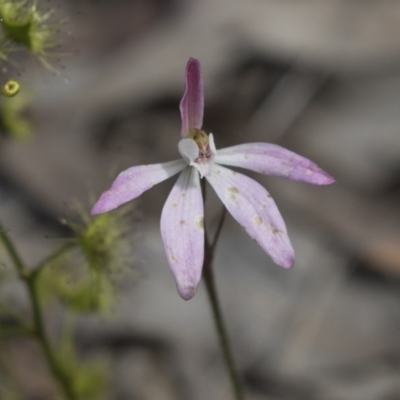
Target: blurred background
{"x": 321, "y": 78}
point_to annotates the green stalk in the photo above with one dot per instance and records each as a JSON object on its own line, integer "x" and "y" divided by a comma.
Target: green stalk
{"x": 222, "y": 333}
{"x": 15, "y": 331}
{"x": 19, "y": 265}
{"x": 41, "y": 336}
{"x": 38, "y": 329}
{"x": 52, "y": 257}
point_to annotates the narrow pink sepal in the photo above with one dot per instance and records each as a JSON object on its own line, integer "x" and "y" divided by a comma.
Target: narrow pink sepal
{"x": 132, "y": 182}
{"x": 252, "y": 206}
{"x": 192, "y": 103}
{"x": 271, "y": 159}
{"x": 182, "y": 232}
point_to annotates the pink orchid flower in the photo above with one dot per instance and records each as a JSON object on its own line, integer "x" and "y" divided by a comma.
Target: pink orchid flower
{"x": 249, "y": 203}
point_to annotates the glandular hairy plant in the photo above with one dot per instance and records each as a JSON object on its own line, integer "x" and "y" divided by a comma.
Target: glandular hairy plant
{"x": 78, "y": 276}
{"x": 103, "y": 240}
{"x": 84, "y": 279}
{"x": 24, "y": 25}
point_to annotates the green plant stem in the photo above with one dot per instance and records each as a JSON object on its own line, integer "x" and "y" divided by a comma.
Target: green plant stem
{"x": 38, "y": 329}
{"x": 12, "y": 251}
{"x": 208, "y": 277}
{"x": 54, "y": 256}
{"x": 15, "y": 331}
{"x": 41, "y": 335}
{"x": 218, "y": 231}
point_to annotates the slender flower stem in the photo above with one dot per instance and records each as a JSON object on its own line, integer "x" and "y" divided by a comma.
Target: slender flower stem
{"x": 38, "y": 329}
{"x": 218, "y": 231}
{"x": 208, "y": 277}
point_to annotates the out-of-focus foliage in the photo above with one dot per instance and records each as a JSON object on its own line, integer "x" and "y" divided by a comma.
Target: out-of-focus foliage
{"x": 13, "y": 120}
{"x": 88, "y": 379}
{"x": 77, "y": 287}
{"x": 83, "y": 279}
{"x": 24, "y": 25}
{"x": 10, "y": 88}
{"x": 9, "y": 393}
{"x": 101, "y": 239}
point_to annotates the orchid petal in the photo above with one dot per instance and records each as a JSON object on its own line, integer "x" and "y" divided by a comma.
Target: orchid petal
{"x": 132, "y": 182}
{"x": 192, "y": 103}
{"x": 189, "y": 150}
{"x": 182, "y": 232}
{"x": 272, "y": 159}
{"x": 252, "y": 206}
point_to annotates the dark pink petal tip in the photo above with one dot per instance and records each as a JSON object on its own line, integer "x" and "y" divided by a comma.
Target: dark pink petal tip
{"x": 192, "y": 103}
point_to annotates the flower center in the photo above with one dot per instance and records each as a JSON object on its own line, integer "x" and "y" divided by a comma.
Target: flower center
{"x": 203, "y": 143}
{"x": 198, "y": 150}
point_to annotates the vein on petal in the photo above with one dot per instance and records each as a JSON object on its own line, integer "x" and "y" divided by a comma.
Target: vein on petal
{"x": 183, "y": 233}
{"x": 192, "y": 103}
{"x": 132, "y": 182}
{"x": 250, "y": 204}
{"x": 271, "y": 159}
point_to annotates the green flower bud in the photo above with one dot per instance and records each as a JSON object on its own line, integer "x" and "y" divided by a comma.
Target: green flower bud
{"x": 10, "y": 88}
{"x": 12, "y": 115}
